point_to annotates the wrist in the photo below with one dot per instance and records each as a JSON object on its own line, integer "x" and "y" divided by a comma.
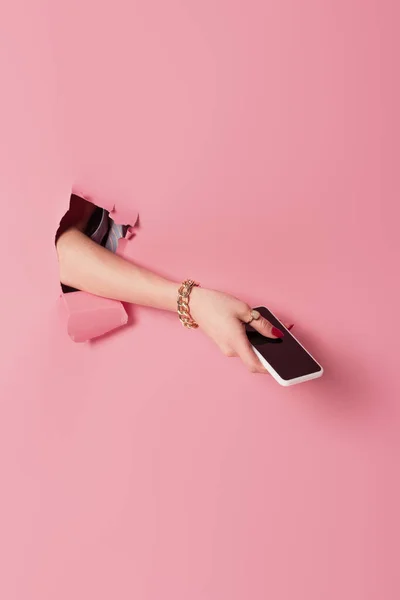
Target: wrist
{"x": 170, "y": 294}
{"x": 195, "y": 301}
{"x": 183, "y": 303}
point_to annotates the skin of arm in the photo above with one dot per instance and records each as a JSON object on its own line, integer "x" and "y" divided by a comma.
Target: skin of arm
{"x": 91, "y": 268}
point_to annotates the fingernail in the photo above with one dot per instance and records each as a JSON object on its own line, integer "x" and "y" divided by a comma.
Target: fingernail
{"x": 277, "y": 332}
{"x": 289, "y": 327}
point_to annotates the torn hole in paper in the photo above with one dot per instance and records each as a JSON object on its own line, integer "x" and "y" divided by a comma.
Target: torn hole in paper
{"x": 90, "y": 316}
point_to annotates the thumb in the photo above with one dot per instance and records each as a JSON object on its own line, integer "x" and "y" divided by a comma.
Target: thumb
{"x": 266, "y": 329}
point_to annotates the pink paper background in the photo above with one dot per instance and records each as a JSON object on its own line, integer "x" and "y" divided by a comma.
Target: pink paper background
{"x": 259, "y": 141}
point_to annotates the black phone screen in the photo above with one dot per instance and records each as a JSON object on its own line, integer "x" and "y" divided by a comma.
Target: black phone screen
{"x": 286, "y": 356}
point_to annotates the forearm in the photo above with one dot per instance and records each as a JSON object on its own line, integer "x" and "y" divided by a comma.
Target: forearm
{"x": 91, "y": 268}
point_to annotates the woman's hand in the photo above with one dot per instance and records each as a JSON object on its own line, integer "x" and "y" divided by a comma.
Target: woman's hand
{"x": 222, "y": 318}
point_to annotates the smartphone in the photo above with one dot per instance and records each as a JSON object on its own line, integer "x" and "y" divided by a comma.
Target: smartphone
{"x": 285, "y": 359}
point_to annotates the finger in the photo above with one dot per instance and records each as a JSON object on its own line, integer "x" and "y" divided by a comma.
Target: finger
{"x": 263, "y": 326}
{"x": 246, "y": 354}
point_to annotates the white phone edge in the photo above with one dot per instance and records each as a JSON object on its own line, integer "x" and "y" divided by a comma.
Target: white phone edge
{"x": 276, "y": 376}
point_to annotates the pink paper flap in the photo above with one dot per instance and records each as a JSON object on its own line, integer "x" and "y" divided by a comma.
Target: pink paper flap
{"x": 92, "y": 316}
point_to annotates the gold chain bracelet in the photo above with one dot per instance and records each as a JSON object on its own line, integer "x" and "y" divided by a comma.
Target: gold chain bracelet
{"x": 183, "y": 304}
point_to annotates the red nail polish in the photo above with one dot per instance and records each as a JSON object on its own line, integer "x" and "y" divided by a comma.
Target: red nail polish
{"x": 289, "y": 327}
{"x": 277, "y": 332}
